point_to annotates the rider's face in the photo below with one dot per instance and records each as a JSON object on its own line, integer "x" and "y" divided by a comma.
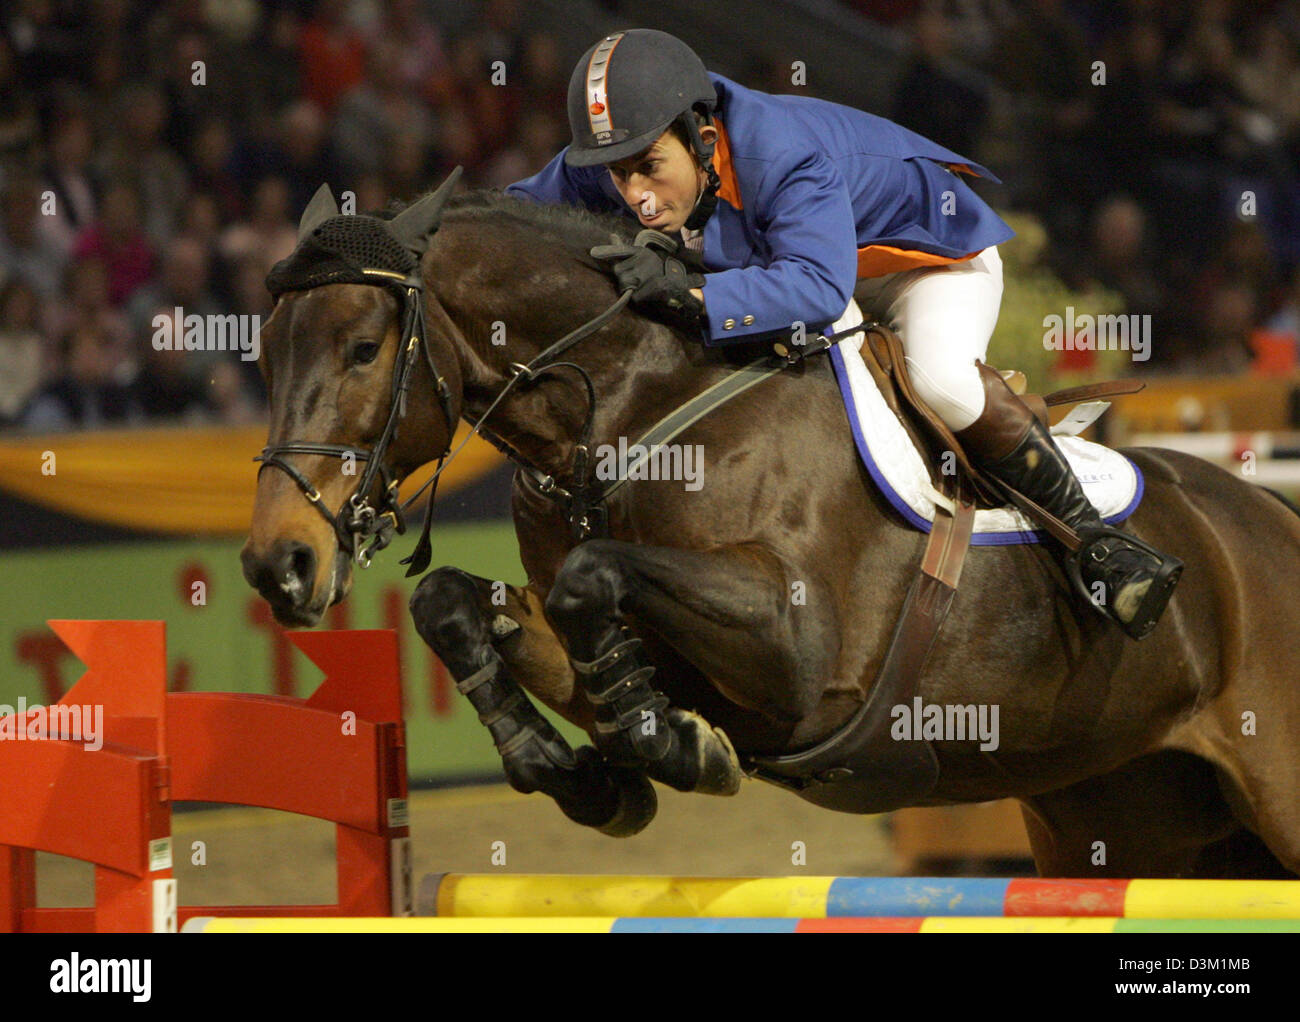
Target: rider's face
{"x": 660, "y": 184}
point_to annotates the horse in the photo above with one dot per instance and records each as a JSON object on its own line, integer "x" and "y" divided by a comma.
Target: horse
{"x": 699, "y": 630}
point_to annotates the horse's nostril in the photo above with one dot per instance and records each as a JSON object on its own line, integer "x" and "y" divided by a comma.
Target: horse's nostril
{"x": 296, "y": 572}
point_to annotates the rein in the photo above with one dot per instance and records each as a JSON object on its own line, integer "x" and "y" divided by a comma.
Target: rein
{"x": 543, "y": 362}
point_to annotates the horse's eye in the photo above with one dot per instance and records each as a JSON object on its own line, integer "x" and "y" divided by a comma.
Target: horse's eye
{"x": 365, "y": 352}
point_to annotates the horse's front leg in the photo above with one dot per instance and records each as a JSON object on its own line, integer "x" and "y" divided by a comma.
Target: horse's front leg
{"x": 487, "y": 644}
{"x": 727, "y": 611}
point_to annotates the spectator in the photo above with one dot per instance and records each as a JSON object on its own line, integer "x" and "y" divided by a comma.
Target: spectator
{"x": 304, "y": 159}
{"x": 210, "y": 158}
{"x": 22, "y": 349}
{"x": 194, "y": 86}
{"x": 268, "y": 234}
{"x": 332, "y": 54}
{"x": 202, "y": 223}
{"x": 1120, "y": 256}
{"x": 373, "y": 113}
{"x": 545, "y": 78}
{"x": 406, "y": 165}
{"x": 19, "y": 125}
{"x": 458, "y": 144}
{"x": 1225, "y": 346}
{"x": 372, "y": 193}
{"x": 137, "y": 153}
{"x": 488, "y": 111}
{"x": 228, "y": 397}
{"x": 166, "y": 387}
{"x": 68, "y": 177}
{"x": 183, "y": 281}
{"x": 419, "y": 60}
{"x": 27, "y": 252}
{"x": 249, "y": 298}
{"x": 118, "y": 238}
{"x": 541, "y": 134}
{"x": 275, "y": 71}
{"x": 87, "y": 306}
{"x": 502, "y": 37}
{"x": 89, "y": 393}
{"x": 934, "y": 97}
{"x": 1286, "y": 320}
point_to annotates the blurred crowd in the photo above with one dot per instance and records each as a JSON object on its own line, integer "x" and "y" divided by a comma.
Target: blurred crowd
{"x": 1158, "y": 141}
{"x": 155, "y": 155}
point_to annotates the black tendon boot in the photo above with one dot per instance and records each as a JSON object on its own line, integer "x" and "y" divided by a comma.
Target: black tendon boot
{"x": 1123, "y": 577}
{"x": 630, "y": 724}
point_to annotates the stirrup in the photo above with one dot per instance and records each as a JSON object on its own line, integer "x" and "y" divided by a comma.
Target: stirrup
{"x": 1162, "y": 582}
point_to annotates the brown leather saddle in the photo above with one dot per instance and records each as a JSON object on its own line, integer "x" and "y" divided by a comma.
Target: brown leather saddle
{"x": 882, "y": 352}
{"x": 860, "y": 768}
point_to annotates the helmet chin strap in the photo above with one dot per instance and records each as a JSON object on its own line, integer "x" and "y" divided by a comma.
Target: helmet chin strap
{"x": 707, "y": 201}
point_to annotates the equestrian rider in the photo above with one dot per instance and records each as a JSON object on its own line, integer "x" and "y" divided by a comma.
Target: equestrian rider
{"x": 792, "y": 203}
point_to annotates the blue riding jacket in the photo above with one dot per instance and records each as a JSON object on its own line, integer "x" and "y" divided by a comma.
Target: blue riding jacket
{"x": 814, "y": 196}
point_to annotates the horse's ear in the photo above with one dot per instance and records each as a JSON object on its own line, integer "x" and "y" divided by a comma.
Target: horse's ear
{"x": 413, "y": 226}
{"x": 320, "y": 209}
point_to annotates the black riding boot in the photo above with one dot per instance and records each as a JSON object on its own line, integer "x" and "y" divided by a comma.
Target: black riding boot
{"x": 1123, "y": 577}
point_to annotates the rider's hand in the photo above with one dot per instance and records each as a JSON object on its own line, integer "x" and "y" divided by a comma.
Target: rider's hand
{"x": 648, "y": 269}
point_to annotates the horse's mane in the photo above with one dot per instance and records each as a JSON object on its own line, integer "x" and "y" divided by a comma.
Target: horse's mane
{"x": 574, "y": 227}
{"x": 570, "y": 224}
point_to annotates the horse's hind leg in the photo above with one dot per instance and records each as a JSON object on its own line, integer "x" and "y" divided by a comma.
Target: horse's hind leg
{"x": 726, "y": 611}
{"x": 486, "y": 647}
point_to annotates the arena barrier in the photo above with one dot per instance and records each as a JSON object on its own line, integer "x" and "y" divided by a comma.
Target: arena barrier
{"x": 338, "y": 755}
{"x": 108, "y": 806}
{"x": 594, "y": 924}
{"x": 504, "y": 896}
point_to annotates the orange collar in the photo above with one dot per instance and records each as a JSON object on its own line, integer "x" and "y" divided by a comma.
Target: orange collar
{"x": 730, "y": 190}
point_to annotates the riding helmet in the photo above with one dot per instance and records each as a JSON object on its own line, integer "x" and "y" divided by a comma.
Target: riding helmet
{"x": 628, "y": 89}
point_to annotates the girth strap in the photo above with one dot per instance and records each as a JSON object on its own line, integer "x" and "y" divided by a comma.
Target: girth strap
{"x": 860, "y": 768}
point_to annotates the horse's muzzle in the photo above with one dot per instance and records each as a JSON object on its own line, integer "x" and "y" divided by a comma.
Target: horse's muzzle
{"x": 286, "y": 577}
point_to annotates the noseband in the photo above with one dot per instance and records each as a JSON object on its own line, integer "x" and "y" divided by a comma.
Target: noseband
{"x": 358, "y": 520}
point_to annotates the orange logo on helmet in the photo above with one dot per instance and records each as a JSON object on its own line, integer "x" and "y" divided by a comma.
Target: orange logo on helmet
{"x": 598, "y": 107}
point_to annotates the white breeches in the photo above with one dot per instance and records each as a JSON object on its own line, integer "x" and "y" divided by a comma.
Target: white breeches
{"x": 944, "y": 316}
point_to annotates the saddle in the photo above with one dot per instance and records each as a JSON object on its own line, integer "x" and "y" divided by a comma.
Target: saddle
{"x": 882, "y": 352}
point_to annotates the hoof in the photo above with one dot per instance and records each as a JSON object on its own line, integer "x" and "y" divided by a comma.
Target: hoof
{"x": 718, "y": 769}
{"x": 615, "y": 801}
{"x": 637, "y": 804}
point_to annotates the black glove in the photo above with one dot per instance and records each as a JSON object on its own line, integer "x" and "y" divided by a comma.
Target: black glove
{"x": 647, "y": 269}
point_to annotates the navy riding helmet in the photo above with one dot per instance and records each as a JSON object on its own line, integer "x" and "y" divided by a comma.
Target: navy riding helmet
{"x": 627, "y": 90}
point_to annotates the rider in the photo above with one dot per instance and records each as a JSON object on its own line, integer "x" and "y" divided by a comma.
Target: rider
{"x": 791, "y": 203}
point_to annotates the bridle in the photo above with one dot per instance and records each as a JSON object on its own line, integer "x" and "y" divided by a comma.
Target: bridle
{"x": 358, "y": 520}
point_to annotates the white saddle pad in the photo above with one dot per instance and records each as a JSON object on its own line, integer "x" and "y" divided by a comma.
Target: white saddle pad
{"x": 1112, "y": 482}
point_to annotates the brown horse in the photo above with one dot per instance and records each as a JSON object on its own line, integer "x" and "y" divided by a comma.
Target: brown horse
{"x": 749, "y": 616}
